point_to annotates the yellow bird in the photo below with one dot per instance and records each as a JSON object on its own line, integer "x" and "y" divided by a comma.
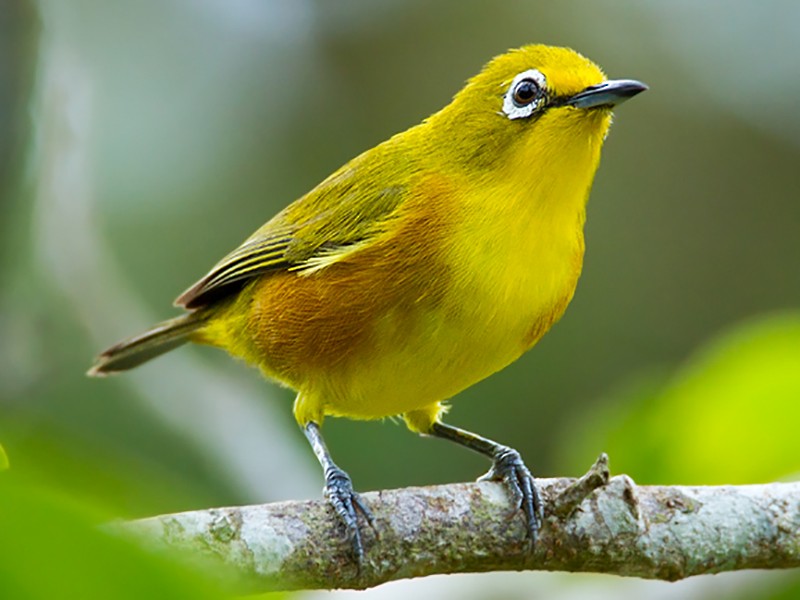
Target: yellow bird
{"x": 419, "y": 268}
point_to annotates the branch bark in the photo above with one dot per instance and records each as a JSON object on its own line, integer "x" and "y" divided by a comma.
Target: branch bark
{"x": 592, "y": 524}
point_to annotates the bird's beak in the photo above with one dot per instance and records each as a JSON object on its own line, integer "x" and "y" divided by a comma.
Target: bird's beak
{"x": 609, "y": 93}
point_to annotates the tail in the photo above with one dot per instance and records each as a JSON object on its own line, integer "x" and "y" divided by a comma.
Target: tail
{"x": 134, "y": 351}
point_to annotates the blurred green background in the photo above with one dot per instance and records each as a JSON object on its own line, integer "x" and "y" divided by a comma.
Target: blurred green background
{"x": 139, "y": 142}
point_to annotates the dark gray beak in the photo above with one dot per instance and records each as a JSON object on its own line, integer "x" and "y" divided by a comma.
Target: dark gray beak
{"x": 609, "y": 93}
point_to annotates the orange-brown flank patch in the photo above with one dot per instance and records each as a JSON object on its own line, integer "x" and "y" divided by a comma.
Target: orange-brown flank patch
{"x": 305, "y": 323}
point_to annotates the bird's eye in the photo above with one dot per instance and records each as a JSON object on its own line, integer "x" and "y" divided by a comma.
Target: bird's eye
{"x": 526, "y": 95}
{"x": 525, "y": 92}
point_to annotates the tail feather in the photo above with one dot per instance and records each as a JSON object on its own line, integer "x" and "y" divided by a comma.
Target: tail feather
{"x": 139, "y": 349}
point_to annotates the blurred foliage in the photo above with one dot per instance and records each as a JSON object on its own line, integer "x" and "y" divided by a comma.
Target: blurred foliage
{"x": 141, "y": 141}
{"x": 729, "y": 415}
{"x": 52, "y": 548}
{"x": 791, "y": 591}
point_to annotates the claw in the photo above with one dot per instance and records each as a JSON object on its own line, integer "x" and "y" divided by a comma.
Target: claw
{"x": 509, "y": 468}
{"x": 347, "y": 504}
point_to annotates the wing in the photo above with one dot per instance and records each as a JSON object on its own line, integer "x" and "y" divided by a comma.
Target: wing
{"x": 346, "y": 209}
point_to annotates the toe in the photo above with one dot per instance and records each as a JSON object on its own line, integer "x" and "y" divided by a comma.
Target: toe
{"x": 347, "y": 503}
{"x": 511, "y": 470}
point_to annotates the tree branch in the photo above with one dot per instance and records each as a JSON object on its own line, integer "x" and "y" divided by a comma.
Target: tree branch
{"x": 592, "y": 524}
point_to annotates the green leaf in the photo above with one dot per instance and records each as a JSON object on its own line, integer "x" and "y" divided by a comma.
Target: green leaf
{"x": 51, "y": 547}
{"x": 729, "y": 415}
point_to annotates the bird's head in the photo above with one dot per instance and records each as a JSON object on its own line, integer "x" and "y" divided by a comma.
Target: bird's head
{"x": 533, "y": 104}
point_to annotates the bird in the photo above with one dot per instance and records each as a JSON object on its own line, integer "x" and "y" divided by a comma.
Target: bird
{"x": 420, "y": 267}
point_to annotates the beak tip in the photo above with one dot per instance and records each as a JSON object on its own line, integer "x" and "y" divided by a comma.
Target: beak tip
{"x": 635, "y": 87}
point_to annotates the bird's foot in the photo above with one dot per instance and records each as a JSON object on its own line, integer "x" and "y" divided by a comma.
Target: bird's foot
{"x": 509, "y": 468}
{"x": 347, "y": 504}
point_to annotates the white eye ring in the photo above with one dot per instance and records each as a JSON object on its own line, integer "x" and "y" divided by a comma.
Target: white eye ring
{"x": 511, "y": 108}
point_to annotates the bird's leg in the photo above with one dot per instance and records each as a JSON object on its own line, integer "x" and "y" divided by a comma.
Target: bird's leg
{"x": 339, "y": 491}
{"x": 507, "y": 467}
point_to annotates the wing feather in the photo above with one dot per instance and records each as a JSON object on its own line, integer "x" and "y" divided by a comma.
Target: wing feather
{"x": 343, "y": 211}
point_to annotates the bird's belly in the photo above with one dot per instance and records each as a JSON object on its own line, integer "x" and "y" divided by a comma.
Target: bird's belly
{"x": 435, "y": 354}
